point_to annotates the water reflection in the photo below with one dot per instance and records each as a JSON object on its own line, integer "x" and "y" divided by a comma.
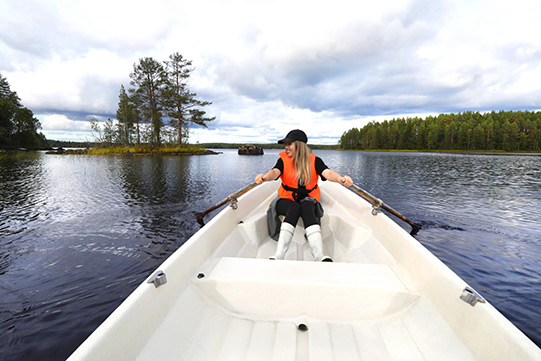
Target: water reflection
{"x": 480, "y": 215}
{"x": 79, "y": 233}
{"x": 159, "y": 194}
{"x": 22, "y": 197}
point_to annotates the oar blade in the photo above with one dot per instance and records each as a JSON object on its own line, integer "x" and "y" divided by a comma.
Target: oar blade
{"x": 199, "y": 216}
{"x": 415, "y": 228}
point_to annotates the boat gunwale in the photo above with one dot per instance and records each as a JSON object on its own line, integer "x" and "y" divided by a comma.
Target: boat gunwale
{"x": 437, "y": 282}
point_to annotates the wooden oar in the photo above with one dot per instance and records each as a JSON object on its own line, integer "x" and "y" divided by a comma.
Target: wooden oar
{"x": 378, "y": 203}
{"x": 232, "y": 198}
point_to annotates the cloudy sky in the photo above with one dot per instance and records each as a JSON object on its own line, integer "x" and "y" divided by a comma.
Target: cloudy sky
{"x": 271, "y": 66}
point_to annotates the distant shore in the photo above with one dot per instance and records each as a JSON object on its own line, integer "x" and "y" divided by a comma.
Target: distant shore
{"x": 203, "y": 149}
{"x": 337, "y": 147}
{"x": 136, "y": 150}
{"x": 455, "y": 151}
{"x": 262, "y": 145}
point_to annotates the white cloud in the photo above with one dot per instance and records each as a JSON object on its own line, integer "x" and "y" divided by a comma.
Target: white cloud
{"x": 89, "y": 83}
{"x": 60, "y": 127}
{"x": 268, "y": 66}
{"x": 62, "y": 122}
{"x": 70, "y": 135}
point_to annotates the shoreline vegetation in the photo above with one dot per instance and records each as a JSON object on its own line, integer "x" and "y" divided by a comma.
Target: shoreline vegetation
{"x": 206, "y": 149}
{"x": 262, "y": 145}
{"x": 88, "y": 148}
{"x": 506, "y": 131}
{"x": 455, "y": 151}
{"x": 137, "y": 150}
{"x": 200, "y": 150}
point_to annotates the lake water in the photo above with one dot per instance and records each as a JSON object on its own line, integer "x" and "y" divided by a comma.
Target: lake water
{"x": 79, "y": 233}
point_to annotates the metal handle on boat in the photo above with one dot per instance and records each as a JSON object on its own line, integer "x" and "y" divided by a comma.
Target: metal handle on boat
{"x": 158, "y": 279}
{"x": 232, "y": 199}
{"x": 378, "y": 203}
{"x": 471, "y": 296}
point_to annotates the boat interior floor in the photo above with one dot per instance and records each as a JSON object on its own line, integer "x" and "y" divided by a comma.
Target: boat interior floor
{"x": 363, "y": 306}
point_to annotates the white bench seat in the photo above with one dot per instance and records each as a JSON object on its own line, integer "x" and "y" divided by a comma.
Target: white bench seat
{"x": 286, "y": 290}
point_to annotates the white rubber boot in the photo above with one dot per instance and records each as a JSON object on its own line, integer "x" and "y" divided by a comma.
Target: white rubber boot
{"x": 313, "y": 233}
{"x": 286, "y": 233}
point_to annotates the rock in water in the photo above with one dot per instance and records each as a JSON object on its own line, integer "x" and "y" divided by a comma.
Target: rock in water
{"x": 250, "y": 149}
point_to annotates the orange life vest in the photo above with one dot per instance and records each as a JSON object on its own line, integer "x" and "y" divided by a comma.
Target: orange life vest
{"x": 290, "y": 185}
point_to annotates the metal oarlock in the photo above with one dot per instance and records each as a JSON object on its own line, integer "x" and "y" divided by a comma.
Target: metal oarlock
{"x": 378, "y": 203}
{"x": 232, "y": 199}
{"x": 376, "y": 207}
{"x": 158, "y": 279}
{"x": 471, "y": 296}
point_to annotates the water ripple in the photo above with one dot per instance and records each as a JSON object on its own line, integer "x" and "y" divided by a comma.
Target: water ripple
{"x": 79, "y": 233}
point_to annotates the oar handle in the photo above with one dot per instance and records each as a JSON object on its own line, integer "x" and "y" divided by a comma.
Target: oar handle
{"x": 369, "y": 197}
{"x": 378, "y": 203}
{"x": 232, "y": 198}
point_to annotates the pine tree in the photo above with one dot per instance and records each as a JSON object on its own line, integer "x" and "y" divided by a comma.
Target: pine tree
{"x": 125, "y": 116}
{"x": 149, "y": 81}
{"x": 181, "y": 104}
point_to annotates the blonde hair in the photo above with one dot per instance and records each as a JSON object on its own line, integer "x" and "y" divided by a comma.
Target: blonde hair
{"x": 301, "y": 162}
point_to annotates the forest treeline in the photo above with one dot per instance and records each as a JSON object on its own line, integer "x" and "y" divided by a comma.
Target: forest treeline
{"x": 261, "y": 145}
{"x": 18, "y": 126}
{"x": 502, "y": 131}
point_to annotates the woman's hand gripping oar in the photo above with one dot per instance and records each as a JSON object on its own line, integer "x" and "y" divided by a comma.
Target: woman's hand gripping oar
{"x": 232, "y": 198}
{"x": 378, "y": 203}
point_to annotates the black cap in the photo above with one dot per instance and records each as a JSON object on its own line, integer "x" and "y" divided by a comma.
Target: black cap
{"x": 294, "y": 135}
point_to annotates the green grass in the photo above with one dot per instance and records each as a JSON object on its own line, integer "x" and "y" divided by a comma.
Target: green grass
{"x": 140, "y": 150}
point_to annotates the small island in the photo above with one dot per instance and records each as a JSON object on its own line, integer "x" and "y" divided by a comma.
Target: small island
{"x": 140, "y": 150}
{"x": 153, "y": 117}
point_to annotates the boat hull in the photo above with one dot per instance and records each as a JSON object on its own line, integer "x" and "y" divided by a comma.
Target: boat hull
{"x": 385, "y": 297}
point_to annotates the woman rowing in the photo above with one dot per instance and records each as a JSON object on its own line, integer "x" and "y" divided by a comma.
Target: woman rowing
{"x": 299, "y": 195}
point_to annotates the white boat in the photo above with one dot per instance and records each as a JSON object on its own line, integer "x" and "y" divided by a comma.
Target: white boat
{"x": 385, "y": 297}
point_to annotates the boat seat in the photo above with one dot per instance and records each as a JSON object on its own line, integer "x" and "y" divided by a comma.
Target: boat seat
{"x": 284, "y": 290}
{"x": 345, "y": 229}
{"x": 336, "y": 225}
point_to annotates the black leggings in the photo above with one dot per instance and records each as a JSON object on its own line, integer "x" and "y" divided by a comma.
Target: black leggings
{"x": 293, "y": 210}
